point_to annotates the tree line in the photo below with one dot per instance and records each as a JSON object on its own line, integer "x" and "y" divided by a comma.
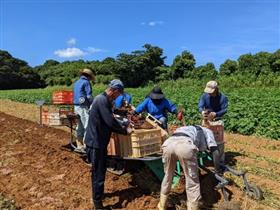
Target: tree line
{"x": 139, "y": 68}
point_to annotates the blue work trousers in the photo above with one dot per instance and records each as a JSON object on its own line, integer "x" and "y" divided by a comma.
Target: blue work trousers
{"x": 98, "y": 159}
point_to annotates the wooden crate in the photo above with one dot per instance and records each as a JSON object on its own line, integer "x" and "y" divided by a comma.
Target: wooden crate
{"x": 164, "y": 133}
{"x": 145, "y": 142}
{"x": 113, "y": 146}
{"x": 139, "y": 143}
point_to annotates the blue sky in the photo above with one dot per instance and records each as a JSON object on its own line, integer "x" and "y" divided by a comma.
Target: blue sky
{"x": 213, "y": 30}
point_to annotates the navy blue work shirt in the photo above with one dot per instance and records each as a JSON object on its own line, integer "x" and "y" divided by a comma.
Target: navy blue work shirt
{"x": 82, "y": 92}
{"x": 101, "y": 123}
{"x": 217, "y": 104}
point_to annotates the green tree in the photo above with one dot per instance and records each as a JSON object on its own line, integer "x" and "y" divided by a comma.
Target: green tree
{"x": 16, "y": 73}
{"x": 139, "y": 67}
{"x": 207, "y": 71}
{"x": 274, "y": 62}
{"x": 229, "y": 67}
{"x": 182, "y": 64}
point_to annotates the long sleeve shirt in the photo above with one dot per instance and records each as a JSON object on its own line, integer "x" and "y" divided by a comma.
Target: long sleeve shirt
{"x": 101, "y": 123}
{"x": 202, "y": 138}
{"x": 119, "y": 100}
{"x": 217, "y": 104}
{"x": 82, "y": 92}
{"x": 157, "y": 110}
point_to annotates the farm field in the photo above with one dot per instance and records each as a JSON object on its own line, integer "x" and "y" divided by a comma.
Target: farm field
{"x": 250, "y": 112}
{"x": 39, "y": 173}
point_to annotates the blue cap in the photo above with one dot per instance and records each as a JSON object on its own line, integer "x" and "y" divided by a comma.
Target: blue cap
{"x": 116, "y": 84}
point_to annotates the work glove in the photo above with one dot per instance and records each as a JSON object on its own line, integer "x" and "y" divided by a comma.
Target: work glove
{"x": 212, "y": 115}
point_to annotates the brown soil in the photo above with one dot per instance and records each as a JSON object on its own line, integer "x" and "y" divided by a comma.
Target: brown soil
{"x": 39, "y": 173}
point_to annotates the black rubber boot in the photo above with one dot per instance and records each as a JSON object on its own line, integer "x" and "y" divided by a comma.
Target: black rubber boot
{"x": 99, "y": 206}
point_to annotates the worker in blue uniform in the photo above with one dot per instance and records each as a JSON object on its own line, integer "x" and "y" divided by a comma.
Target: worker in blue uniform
{"x": 157, "y": 105}
{"x": 122, "y": 100}
{"x": 213, "y": 105}
{"x": 100, "y": 126}
{"x": 82, "y": 100}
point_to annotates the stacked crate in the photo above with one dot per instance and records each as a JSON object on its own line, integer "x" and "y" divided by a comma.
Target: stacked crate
{"x": 140, "y": 143}
{"x": 56, "y": 116}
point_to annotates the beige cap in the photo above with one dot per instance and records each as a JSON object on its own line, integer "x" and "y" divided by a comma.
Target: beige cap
{"x": 211, "y": 86}
{"x": 88, "y": 72}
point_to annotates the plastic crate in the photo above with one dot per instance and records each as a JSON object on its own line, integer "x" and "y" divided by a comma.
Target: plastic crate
{"x": 62, "y": 97}
{"x": 57, "y": 117}
{"x": 54, "y": 118}
{"x": 139, "y": 143}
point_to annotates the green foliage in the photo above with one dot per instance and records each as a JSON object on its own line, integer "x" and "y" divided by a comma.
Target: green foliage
{"x": 15, "y": 73}
{"x": 139, "y": 67}
{"x": 229, "y": 67}
{"x": 182, "y": 65}
{"x": 104, "y": 79}
{"x": 207, "y": 71}
{"x": 252, "y": 111}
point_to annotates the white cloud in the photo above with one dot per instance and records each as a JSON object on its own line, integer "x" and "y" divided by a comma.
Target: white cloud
{"x": 94, "y": 50}
{"x": 70, "y": 52}
{"x": 71, "y": 42}
{"x": 153, "y": 23}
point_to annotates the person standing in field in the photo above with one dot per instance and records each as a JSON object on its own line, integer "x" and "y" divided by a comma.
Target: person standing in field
{"x": 101, "y": 124}
{"x": 157, "y": 105}
{"x": 183, "y": 146}
{"x": 212, "y": 106}
{"x": 82, "y": 101}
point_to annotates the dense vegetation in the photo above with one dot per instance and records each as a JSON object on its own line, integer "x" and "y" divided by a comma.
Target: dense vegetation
{"x": 250, "y": 112}
{"x": 15, "y": 73}
{"x": 142, "y": 67}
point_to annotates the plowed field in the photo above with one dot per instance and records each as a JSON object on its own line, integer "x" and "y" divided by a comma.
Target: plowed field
{"x": 39, "y": 173}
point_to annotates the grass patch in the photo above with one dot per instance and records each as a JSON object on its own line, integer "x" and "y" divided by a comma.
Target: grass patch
{"x": 7, "y": 204}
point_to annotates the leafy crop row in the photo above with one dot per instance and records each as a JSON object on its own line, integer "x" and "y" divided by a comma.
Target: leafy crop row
{"x": 251, "y": 111}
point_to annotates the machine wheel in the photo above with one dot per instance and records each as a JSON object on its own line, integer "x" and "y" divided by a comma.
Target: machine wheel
{"x": 254, "y": 192}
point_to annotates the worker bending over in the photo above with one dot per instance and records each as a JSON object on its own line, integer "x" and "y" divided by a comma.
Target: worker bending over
{"x": 183, "y": 146}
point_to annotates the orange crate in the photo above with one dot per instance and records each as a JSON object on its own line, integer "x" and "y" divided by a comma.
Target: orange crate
{"x": 62, "y": 97}
{"x": 45, "y": 117}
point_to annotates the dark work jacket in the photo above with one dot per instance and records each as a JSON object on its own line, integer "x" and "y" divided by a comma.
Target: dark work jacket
{"x": 101, "y": 123}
